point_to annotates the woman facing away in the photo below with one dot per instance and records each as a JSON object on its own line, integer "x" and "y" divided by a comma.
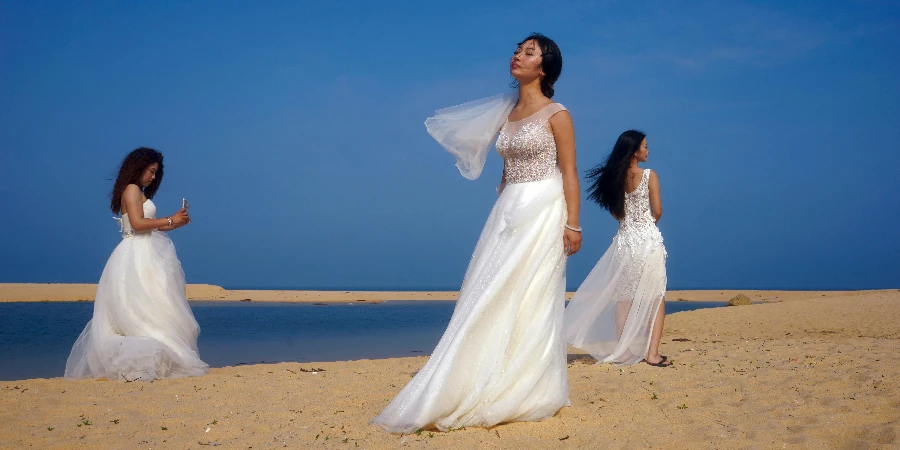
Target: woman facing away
{"x": 617, "y": 314}
{"x": 142, "y": 327}
{"x": 502, "y": 357}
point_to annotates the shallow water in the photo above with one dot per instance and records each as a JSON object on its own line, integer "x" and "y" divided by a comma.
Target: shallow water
{"x": 36, "y": 337}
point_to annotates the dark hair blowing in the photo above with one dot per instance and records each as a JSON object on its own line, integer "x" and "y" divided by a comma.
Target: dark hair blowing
{"x": 551, "y": 61}
{"x": 608, "y": 179}
{"x": 130, "y": 173}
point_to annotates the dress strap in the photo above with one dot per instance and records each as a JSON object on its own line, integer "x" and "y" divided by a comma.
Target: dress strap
{"x": 548, "y": 111}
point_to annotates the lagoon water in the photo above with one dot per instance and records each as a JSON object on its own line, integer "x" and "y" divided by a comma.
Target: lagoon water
{"x": 35, "y": 337}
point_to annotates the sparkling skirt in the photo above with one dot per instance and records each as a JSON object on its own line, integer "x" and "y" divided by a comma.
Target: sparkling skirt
{"x": 502, "y": 357}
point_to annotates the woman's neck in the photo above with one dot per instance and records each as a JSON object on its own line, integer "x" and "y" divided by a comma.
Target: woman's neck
{"x": 531, "y": 92}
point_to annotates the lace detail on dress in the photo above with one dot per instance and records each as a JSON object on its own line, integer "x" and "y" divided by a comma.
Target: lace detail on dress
{"x": 638, "y": 226}
{"x": 528, "y": 147}
{"x": 639, "y": 235}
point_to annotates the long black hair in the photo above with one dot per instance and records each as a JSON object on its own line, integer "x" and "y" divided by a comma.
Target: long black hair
{"x": 130, "y": 172}
{"x": 608, "y": 179}
{"x": 551, "y": 62}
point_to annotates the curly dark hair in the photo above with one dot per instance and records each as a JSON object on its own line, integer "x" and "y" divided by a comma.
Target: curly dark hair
{"x": 608, "y": 179}
{"x": 551, "y": 62}
{"x": 130, "y": 173}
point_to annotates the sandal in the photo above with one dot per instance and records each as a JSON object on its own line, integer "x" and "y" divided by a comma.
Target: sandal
{"x": 661, "y": 363}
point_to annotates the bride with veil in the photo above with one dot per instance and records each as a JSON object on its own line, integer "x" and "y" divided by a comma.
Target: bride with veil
{"x": 502, "y": 357}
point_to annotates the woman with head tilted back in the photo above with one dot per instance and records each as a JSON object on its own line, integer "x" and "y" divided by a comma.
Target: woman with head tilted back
{"x": 502, "y": 357}
{"x": 617, "y": 313}
{"x": 142, "y": 327}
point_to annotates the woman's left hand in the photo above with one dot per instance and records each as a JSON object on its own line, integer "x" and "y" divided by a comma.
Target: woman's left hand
{"x": 571, "y": 241}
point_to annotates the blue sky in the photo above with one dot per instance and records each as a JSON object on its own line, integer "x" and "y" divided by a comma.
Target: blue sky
{"x": 295, "y": 130}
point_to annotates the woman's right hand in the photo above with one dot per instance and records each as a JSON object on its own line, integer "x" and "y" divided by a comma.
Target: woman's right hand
{"x": 181, "y": 218}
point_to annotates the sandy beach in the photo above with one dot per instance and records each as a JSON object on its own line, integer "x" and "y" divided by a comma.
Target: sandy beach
{"x": 61, "y": 292}
{"x": 37, "y": 292}
{"x": 813, "y": 372}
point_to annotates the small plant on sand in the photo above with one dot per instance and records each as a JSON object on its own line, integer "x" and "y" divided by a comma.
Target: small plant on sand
{"x": 654, "y": 396}
{"x": 115, "y": 421}
{"x": 431, "y": 435}
{"x": 683, "y": 406}
{"x": 345, "y": 440}
{"x": 419, "y": 432}
{"x": 50, "y": 428}
{"x": 164, "y": 428}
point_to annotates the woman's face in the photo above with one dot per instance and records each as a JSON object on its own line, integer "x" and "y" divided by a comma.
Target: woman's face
{"x": 525, "y": 64}
{"x": 149, "y": 174}
{"x": 642, "y": 152}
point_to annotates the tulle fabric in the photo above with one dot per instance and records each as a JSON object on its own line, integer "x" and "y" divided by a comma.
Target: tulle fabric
{"x": 502, "y": 357}
{"x": 612, "y": 313}
{"x": 142, "y": 327}
{"x": 468, "y": 131}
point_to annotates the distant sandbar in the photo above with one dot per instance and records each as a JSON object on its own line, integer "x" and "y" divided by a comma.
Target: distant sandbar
{"x": 63, "y": 292}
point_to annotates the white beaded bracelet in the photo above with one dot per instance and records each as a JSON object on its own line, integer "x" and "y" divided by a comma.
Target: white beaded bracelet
{"x": 573, "y": 228}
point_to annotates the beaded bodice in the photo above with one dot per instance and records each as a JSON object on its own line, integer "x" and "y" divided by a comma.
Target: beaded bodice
{"x": 638, "y": 225}
{"x": 528, "y": 147}
{"x": 125, "y": 224}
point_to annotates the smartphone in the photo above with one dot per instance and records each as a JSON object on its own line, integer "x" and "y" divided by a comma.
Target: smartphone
{"x": 184, "y": 203}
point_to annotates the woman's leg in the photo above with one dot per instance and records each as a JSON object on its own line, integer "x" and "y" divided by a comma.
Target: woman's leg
{"x": 653, "y": 356}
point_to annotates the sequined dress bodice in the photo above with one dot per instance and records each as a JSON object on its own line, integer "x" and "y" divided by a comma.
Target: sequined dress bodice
{"x": 126, "y": 228}
{"x": 528, "y": 147}
{"x": 638, "y": 225}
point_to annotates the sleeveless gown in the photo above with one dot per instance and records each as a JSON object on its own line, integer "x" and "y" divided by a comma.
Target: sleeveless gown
{"x": 142, "y": 327}
{"x": 611, "y": 315}
{"x": 502, "y": 357}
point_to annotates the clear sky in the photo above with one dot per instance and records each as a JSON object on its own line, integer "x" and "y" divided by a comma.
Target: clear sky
{"x": 295, "y": 129}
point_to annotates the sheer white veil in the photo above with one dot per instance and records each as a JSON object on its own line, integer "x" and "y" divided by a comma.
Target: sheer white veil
{"x": 468, "y": 130}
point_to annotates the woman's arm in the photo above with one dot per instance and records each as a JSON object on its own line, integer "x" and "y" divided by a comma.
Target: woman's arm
{"x": 174, "y": 225}
{"x": 502, "y": 184}
{"x": 655, "y": 200}
{"x": 134, "y": 205}
{"x": 564, "y": 133}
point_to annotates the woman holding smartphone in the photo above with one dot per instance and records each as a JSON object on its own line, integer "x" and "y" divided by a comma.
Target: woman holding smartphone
{"x": 142, "y": 327}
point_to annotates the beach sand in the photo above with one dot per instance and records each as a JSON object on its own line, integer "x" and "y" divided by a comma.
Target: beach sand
{"x": 816, "y": 371}
{"x": 60, "y": 292}
{"x": 54, "y": 292}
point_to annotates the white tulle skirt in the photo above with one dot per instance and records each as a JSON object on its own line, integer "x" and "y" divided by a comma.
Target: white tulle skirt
{"x": 612, "y": 313}
{"x": 502, "y": 357}
{"x": 142, "y": 327}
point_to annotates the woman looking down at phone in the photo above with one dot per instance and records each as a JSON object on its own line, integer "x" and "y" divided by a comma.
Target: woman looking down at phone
{"x": 142, "y": 327}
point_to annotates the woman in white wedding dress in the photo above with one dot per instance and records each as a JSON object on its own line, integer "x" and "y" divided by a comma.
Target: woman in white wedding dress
{"x": 502, "y": 357}
{"x": 142, "y": 327}
{"x": 617, "y": 314}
